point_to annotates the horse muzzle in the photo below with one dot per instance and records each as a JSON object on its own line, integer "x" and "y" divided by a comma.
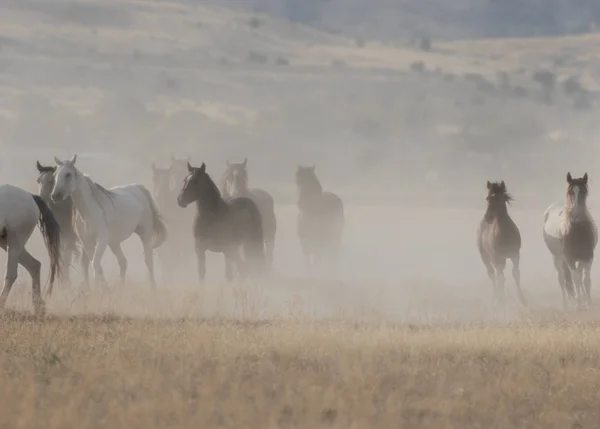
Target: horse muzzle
{"x": 57, "y": 196}
{"x": 181, "y": 202}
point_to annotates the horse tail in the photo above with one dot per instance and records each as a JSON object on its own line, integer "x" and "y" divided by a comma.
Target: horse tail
{"x": 568, "y": 280}
{"x": 254, "y": 244}
{"x": 50, "y": 230}
{"x": 160, "y": 229}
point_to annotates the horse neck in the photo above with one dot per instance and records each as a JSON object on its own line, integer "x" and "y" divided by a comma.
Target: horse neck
{"x": 499, "y": 214}
{"x": 214, "y": 207}
{"x": 83, "y": 197}
{"x": 309, "y": 195}
{"x": 578, "y": 215}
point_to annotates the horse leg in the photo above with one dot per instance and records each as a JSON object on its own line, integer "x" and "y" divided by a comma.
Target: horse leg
{"x": 201, "y": 260}
{"x": 101, "y": 245}
{"x": 228, "y": 266}
{"x": 12, "y": 266}
{"x": 577, "y": 275}
{"x": 560, "y": 269}
{"x": 149, "y": 259}
{"x": 121, "y": 260}
{"x": 587, "y": 282}
{"x": 516, "y": 272}
{"x": 499, "y": 265}
{"x": 33, "y": 267}
{"x": 87, "y": 254}
{"x": 236, "y": 259}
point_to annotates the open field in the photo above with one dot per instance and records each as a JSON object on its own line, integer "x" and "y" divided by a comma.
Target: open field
{"x": 110, "y": 372}
{"x": 403, "y": 332}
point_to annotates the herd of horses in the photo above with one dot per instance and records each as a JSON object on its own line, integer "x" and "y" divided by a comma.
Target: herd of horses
{"x": 570, "y": 234}
{"x": 79, "y": 218}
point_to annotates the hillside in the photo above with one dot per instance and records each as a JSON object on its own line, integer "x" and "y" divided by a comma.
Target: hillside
{"x": 152, "y": 78}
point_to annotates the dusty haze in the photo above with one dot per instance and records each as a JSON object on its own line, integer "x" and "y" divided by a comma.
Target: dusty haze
{"x": 406, "y": 135}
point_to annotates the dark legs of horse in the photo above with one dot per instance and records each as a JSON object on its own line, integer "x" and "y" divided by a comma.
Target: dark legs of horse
{"x": 565, "y": 281}
{"x": 587, "y": 282}
{"x": 121, "y": 260}
{"x": 516, "y": 272}
{"x": 201, "y": 260}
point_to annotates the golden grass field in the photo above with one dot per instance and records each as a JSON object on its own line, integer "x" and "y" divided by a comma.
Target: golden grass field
{"x": 117, "y": 372}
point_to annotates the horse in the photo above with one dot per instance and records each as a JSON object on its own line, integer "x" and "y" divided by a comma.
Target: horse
{"x": 178, "y": 169}
{"x": 223, "y": 226}
{"x": 165, "y": 195}
{"x": 235, "y": 184}
{"x": 320, "y": 221}
{"x": 110, "y": 217}
{"x": 499, "y": 239}
{"x": 20, "y": 211}
{"x": 64, "y": 213}
{"x": 571, "y": 235}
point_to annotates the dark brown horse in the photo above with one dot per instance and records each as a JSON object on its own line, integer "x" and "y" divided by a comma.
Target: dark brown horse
{"x": 320, "y": 218}
{"x": 499, "y": 239}
{"x": 235, "y": 184}
{"x": 571, "y": 235}
{"x": 223, "y": 226}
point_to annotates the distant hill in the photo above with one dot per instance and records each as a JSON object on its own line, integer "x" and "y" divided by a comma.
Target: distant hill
{"x": 445, "y": 19}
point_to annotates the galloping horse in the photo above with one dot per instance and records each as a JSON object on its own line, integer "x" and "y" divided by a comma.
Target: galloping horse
{"x": 499, "y": 239}
{"x": 571, "y": 236}
{"x": 223, "y": 226}
{"x": 110, "y": 217}
{"x": 235, "y": 184}
{"x": 64, "y": 213}
{"x": 320, "y": 217}
{"x": 20, "y": 211}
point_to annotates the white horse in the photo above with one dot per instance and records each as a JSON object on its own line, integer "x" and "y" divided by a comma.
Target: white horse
{"x": 20, "y": 211}
{"x": 110, "y": 217}
{"x": 571, "y": 235}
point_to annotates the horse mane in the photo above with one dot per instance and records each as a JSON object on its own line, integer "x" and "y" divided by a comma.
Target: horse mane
{"x": 215, "y": 195}
{"x": 98, "y": 191}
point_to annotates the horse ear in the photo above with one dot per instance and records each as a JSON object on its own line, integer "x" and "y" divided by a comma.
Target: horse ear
{"x": 73, "y": 159}
{"x": 39, "y": 166}
{"x": 569, "y": 178}
{"x": 190, "y": 168}
{"x": 314, "y": 167}
{"x": 172, "y": 158}
{"x": 585, "y": 177}
{"x": 503, "y": 185}
{"x": 489, "y": 185}
{"x": 153, "y": 167}
{"x": 203, "y": 167}
{"x": 58, "y": 161}
{"x": 245, "y": 162}
{"x": 227, "y": 163}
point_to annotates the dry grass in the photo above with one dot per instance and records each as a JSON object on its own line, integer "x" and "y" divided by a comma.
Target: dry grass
{"x": 113, "y": 372}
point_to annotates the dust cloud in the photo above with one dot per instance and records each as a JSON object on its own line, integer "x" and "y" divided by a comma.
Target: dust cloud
{"x": 408, "y": 148}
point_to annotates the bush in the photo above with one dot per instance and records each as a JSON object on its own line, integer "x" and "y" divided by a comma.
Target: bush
{"x": 257, "y": 58}
{"x": 282, "y": 61}
{"x": 418, "y": 67}
{"x": 545, "y": 78}
{"x": 254, "y": 22}
{"x": 571, "y": 86}
{"x": 425, "y": 44}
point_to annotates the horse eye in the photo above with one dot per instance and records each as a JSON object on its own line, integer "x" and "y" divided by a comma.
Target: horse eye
{"x": 68, "y": 175}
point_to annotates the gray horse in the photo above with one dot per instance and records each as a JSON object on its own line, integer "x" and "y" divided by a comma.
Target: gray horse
{"x": 235, "y": 184}
{"x": 320, "y": 218}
